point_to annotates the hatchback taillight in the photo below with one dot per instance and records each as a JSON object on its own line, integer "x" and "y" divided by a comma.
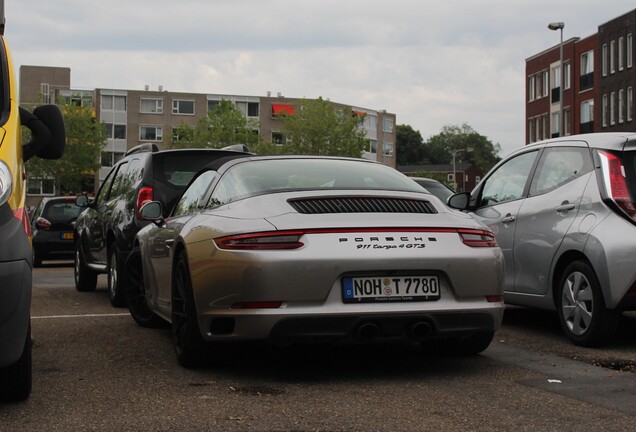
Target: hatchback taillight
{"x": 616, "y": 183}
{"x": 145, "y": 195}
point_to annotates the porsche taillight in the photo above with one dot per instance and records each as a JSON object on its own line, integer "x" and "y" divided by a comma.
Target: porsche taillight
{"x": 615, "y": 183}
{"x": 277, "y": 240}
{"x": 477, "y": 238}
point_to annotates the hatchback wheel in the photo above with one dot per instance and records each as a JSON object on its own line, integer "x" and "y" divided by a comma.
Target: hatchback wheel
{"x": 581, "y": 307}
{"x": 115, "y": 293}
{"x": 37, "y": 257}
{"x": 85, "y": 278}
{"x": 135, "y": 292}
{"x": 188, "y": 344}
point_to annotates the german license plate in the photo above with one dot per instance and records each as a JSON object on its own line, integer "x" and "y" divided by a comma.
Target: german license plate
{"x": 66, "y": 236}
{"x": 390, "y": 288}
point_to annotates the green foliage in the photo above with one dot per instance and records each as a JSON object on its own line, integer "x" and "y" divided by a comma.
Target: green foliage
{"x": 475, "y": 148}
{"x": 318, "y": 127}
{"x": 409, "y": 145}
{"x": 225, "y": 125}
{"x": 85, "y": 138}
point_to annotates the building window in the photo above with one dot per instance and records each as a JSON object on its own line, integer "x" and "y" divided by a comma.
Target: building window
{"x": 612, "y": 108}
{"x": 629, "y": 50}
{"x": 150, "y": 133}
{"x": 621, "y": 55}
{"x": 604, "y": 111}
{"x": 612, "y": 56}
{"x": 587, "y": 116}
{"x": 45, "y": 91}
{"x": 212, "y": 104}
{"x": 151, "y": 106}
{"x": 604, "y": 60}
{"x": 544, "y": 83}
{"x": 113, "y": 103}
{"x": 115, "y": 131}
{"x": 109, "y": 159}
{"x": 182, "y": 107}
{"x": 531, "y": 131}
{"x": 567, "y": 68}
{"x": 630, "y": 104}
{"x": 531, "y": 89}
{"x": 388, "y": 127}
{"x": 587, "y": 70}
{"x": 373, "y": 146}
{"x": 537, "y": 132}
{"x": 387, "y": 149}
{"x": 253, "y": 109}
{"x": 556, "y": 77}
{"x": 537, "y": 79}
{"x": 621, "y": 105}
{"x": 567, "y": 117}
{"x": 555, "y": 124}
{"x": 451, "y": 178}
{"x": 40, "y": 186}
{"x": 371, "y": 121}
{"x": 544, "y": 124}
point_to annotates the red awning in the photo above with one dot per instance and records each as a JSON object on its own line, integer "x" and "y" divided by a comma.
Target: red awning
{"x": 278, "y": 109}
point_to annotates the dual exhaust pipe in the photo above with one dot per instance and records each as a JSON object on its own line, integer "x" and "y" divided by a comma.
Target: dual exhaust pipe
{"x": 419, "y": 331}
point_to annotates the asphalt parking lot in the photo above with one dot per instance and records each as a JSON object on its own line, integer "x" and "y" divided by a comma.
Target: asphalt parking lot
{"x": 95, "y": 369}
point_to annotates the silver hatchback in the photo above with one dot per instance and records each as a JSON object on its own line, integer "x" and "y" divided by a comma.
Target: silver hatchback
{"x": 563, "y": 213}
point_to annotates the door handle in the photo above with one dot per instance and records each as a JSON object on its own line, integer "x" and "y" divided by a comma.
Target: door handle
{"x": 169, "y": 243}
{"x": 565, "y": 207}
{"x": 509, "y": 219}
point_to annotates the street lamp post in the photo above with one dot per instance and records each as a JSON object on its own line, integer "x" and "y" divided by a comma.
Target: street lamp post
{"x": 455, "y": 170}
{"x": 559, "y": 26}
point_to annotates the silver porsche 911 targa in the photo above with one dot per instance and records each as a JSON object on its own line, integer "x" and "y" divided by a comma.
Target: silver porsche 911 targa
{"x": 300, "y": 248}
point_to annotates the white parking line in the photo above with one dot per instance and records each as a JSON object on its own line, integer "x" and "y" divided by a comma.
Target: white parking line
{"x": 81, "y": 316}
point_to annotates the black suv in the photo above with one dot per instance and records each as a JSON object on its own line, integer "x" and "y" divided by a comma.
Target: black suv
{"x": 105, "y": 231}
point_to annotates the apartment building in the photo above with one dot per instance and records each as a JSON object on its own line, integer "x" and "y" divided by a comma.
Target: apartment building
{"x": 132, "y": 117}
{"x": 598, "y": 78}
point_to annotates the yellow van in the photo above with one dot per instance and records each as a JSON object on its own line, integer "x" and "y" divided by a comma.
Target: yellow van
{"x": 48, "y": 138}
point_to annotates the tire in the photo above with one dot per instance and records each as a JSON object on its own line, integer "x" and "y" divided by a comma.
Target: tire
{"x": 85, "y": 278}
{"x": 135, "y": 292}
{"x": 16, "y": 379}
{"x": 37, "y": 257}
{"x": 115, "y": 271}
{"x": 187, "y": 340}
{"x": 471, "y": 345}
{"x": 581, "y": 307}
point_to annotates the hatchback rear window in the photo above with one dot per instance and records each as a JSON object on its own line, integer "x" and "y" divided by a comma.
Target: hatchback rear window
{"x": 61, "y": 211}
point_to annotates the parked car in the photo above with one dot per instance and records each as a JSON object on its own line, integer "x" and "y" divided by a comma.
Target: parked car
{"x": 105, "y": 230}
{"x": 563, "y": 213}
{"x": 47, "y": 129}
{"x": 440, "y": 190}
{"x": 52, "y": 227}
{"x": 303, "y": 248}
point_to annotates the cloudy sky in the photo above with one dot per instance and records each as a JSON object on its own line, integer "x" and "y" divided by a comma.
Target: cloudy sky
{"x": 433, "y": 63}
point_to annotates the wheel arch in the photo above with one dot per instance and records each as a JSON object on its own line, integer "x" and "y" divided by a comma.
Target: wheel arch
{"x": 565, "y": 260}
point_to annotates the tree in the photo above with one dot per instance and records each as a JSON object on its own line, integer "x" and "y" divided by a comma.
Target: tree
{"x": 409, "y": 145}
{"x": 85, "y": 139}
{"x": 321, "y": 128}
{"x": 476, "y": 148}
{"x": 225, "y": 125}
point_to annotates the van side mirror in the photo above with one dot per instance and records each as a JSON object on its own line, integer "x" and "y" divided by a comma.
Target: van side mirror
{"x": 48, "y": 135}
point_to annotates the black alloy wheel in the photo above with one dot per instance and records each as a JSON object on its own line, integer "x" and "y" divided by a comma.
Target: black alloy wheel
{"x": 188, "y": 343}
{"x": 85, "y": 278}
{"x": 135, "y": 292}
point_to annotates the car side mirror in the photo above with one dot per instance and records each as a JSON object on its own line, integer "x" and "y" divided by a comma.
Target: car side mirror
{"x": 459, "y": 201}
{"x": 48, "y": 135}
{"x": 152, "y": 211}
{"x": 82, "y": 201}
